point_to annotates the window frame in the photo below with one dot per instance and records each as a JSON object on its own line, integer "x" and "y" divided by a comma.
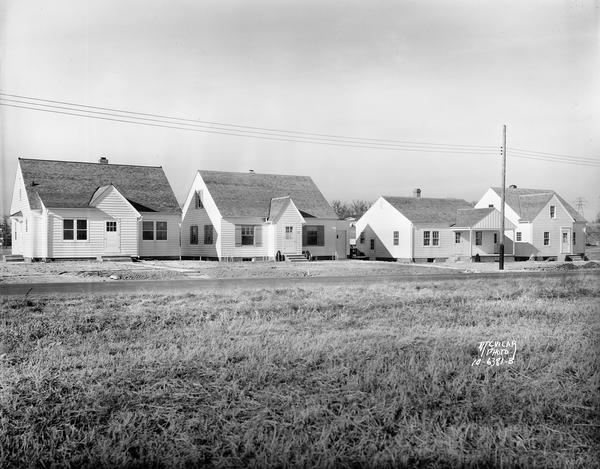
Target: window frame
{"x": 457, "y": 237}
{"x": 574, "y": 238}
{"x": 145, "y": 230}
{"x": 435, "y": 238}
{"x": 76, "y": 230}
{"x": 112, "y": 224}
{"x": 479, "y": 238}
{"x": 372, "y": 244}
{"x": 289, "y": 233}
{"x": 209, "y": 232}
{"x": 247, "y": 235}
{"x": 163, "y": 231}
{"x": 546, "y": 238}
{"x": 194, "y": 235}
{"x": 426, "y": 238}
{"x": 519, "y": 237}
{"x": 312, "y": 230}
{"x": 396, "y": 237}
{"x": 552, "y": 211}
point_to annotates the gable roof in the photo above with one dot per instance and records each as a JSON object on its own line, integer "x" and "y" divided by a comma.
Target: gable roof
{"x": 277, "y": 206}
{"x": 250, "y": 194}
{"x": 428, "y": 210}
{"x": 471, "y": 216}
{"x": 527, "y": 203}
{"x": 72, "y": 184}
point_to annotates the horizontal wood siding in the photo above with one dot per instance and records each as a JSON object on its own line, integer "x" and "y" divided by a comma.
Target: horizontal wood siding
{"x": 579, "y": 229}
{"x": 491, "y": 198}
{"x": 543, "y": 222}
{"x": 117, "y": 208}
{"x": 383, "y": 219}
{"x": 228, "y": 245}
{"x": 444, "y": 249}
{"x": 92, "y": 247}
{"x": 160, "y": 248}
{"x": 290, "y": 217}
{"x": 329, "y": 234}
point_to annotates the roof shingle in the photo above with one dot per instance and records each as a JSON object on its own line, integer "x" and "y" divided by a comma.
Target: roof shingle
{"x": 428, "y": 210}
{"x": 71, "y": 184}
{"x": 250, "y": 194}
{"x": 527, "y": 203}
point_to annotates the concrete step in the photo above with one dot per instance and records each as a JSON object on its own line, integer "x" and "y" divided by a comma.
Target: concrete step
{"x": 13, "y": 258}
{"x": 114, "y": 259}
{"x": 296, "y": 258}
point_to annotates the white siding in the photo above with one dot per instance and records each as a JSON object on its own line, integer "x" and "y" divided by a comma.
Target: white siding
{"x": 491, "y": 198}
{"x": 23, "y": 244}
{"x": 542, "y": 222}
{"x": 446, "y": 245}
{"x": 207, "y": 215}
{"x": 380, "y": 221}
{"x": 116, "y": 207}
{"x": 329, "y": 230}
{"x": 579, "y": 229}
{"x": 160, "y": 248}
{"x": 290, "y": 217}
{"x": 92, "y": 247}
{"x": 228, "y": 248}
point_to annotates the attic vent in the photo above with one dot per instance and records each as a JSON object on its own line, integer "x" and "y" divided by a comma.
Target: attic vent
{"x": 103, "y": 160}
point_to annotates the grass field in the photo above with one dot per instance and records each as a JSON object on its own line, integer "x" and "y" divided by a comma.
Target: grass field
{"x": 379, "y": 376}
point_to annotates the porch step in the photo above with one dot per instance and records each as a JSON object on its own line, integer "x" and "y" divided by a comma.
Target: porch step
{"x": 13, "y": 258}
{"x": 114, "y": 259}
{"x": 296, "y": 258}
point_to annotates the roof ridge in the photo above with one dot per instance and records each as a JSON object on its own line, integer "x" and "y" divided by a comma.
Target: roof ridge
{"x": 90, "y": 162}
{"x": 254, "y": 174}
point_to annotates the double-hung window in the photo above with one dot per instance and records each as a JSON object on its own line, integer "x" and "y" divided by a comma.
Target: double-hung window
{"x": 546, "y": 238}
{"x": 519, "y": 236}
{"x": 552, "y": 211}
{"x": 161, "y": 230}
{"x": 247, "y": 235}
{"x": 152, "y": 230}
{"x": 396, "y": 238}
{"x": 435, "y": 238}
{"x": 208, "y": 234}
{"x": 457, "y": 237}
{"x": 75, "y": 230}
{"x": 194, "y": 234}
{"x": 148, "y": 230}
{"x": 478, "y": 238}
{"x": 426, "y": 238}
{"x": 574, "y": 238}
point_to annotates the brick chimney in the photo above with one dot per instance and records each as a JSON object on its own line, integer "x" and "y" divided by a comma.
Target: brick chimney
{"x": 103, "y": 160}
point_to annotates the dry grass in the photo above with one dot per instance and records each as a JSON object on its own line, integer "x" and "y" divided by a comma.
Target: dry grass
{"x": 377, "y": 376}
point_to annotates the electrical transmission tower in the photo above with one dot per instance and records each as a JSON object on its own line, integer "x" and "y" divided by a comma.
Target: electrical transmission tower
{"x": 580, "y": 203}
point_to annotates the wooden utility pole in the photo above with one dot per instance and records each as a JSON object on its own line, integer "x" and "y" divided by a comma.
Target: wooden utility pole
{"x": 501, "y": 260}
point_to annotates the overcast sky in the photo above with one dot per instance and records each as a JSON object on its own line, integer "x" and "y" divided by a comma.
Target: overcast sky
{"x": 449, "y": 72}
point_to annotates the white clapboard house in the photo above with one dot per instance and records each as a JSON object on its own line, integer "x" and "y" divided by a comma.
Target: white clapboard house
{"x": 420, "y": 229}
{"x": 68, "y": 209}
{"x": 546, "y": 226}
{"x": 251, "y": 216}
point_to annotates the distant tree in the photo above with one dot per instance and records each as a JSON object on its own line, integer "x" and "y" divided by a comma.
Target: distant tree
{"x": 341, "y": 209}
{"x": 5, "y": 231}
{"x": 359, "y": 207}
{"x": 597, "y": 220}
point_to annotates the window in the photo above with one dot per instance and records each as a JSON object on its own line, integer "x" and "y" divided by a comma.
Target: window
{"x": 546, "y": 238}
{"x": 396, "y": 238}
{"x": 111, "y": 226}
{"x": 478, "y": 238}
{"x": 161, "y": 230}
{"x": 26, "y": 225}
{"x": 362, "y": 238}
{"x": 435, "y": 238}
{"x": 565, "y": 238}
{"x": 426, "y": 238}
{"x": 81, "y": 229}
{"x": 491, "y": 206}
{"x": 457, "y": 237}
{"x": 495, "y": 238}
{"x": 208, "y": 234}
{"x": 68, "y": 231}
{"x": 552, "y": 211}
{"x": 372, "y": 244}
{"x": 75, "y": 230}
{"x": 148, "y": 230}
{"x": 198, "y": 200}
{"x": 247, "y": 235}
{"x": 194, "y": 234}
{"x": 574, "y": 238}
{"x": 14, "y": 230}
{"x": 289, "y": 232}
{"x": 519, "y": 236}
{"x": 312, "y": 236}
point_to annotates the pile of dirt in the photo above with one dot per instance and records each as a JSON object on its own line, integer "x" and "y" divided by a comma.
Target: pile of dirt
{"x": 590, "y": 265}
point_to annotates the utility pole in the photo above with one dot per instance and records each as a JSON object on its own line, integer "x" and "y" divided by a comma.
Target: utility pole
{"x": 501, "y": 260}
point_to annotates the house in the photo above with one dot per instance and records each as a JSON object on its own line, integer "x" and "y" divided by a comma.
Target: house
{"x": 67, "y": 209}
{"x": 248, "y": 216}
{"x": 420, "y": 229}
{"x": 546, "y": 226}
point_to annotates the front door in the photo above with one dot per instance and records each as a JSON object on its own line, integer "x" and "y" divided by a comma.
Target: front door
{"x": 565, "y": 240}
{"x": 112, "y": 238}
{"x": 289, "y": 240}
{"x": 372, "y": 254}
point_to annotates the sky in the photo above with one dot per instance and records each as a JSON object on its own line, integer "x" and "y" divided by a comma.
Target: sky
{"x": 448, "y": 72}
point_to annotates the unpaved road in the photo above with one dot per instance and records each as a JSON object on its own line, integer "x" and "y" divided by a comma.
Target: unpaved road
{"x": 203, "y": 285}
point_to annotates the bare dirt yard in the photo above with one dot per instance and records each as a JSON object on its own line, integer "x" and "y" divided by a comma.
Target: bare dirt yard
{"x": 336, "y": 376}
{"x": 77, "y": 271}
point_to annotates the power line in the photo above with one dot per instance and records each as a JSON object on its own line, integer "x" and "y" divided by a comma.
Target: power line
{"x": 95, "y": 114}
{"x": 581, "y": 158}
{"x": 556, "y": 160}
{"x": 194, "y": 121}
{"x": 458, "y": 151}
{"x": 543, "y": 153}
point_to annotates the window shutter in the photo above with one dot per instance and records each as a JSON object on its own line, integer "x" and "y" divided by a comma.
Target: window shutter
{"x": 320, "y": 235}
{"x": 258, "y": 235}
{"x": 238, "y": 235}
{"x": 303, "y": 235}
